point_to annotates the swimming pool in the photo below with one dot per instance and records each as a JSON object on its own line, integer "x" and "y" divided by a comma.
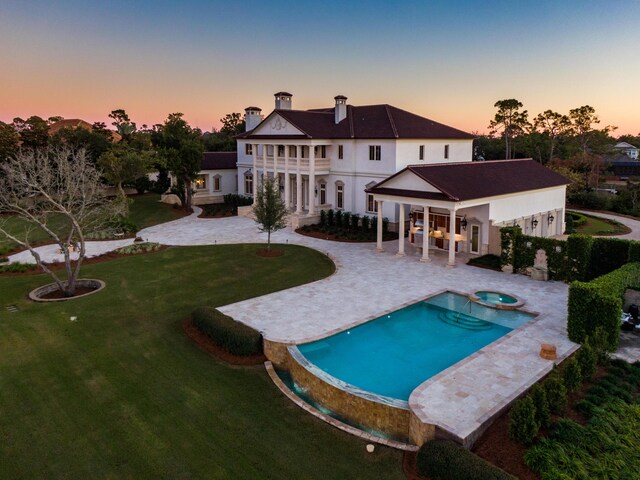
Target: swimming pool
{"x": 393, "y": 354}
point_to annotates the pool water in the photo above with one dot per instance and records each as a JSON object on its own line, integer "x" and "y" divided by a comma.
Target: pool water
{"x": 496, "y": 298}
{"x": 393, "y": 354}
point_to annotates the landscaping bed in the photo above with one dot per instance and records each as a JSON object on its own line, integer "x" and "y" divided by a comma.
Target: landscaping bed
{"x": 342, "y": 226}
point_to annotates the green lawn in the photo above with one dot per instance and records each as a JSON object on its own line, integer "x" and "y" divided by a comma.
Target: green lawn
{"x": 600, "y": 226}
{"x": 145, "y": 211}
{"x": 123, "y": 393}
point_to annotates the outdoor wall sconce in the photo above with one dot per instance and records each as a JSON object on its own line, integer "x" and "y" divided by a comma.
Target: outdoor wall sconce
{"x": 550, "y": 219}
{"x": 463, "y": 223}
{"x": 410, "y": 216}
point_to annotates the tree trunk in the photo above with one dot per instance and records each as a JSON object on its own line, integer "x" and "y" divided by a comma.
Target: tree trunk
{"x": 187, "y": 195}
{"x": 269, "y": 241}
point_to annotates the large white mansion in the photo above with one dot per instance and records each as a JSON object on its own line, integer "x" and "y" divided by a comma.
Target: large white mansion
{"x": 381, "y": 160}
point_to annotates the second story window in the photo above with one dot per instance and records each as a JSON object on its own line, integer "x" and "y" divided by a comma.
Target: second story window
{"x": 340, "y": 152}
{"x": 421, "y": 153}
{"x": 292, "y": 151}
{"x": 248, "y": 149}
{"x": 321, "y": 151}
{"x": 281, "y": 150}
{"x": 446, "y": 151}
{"x": 375, "y": 152}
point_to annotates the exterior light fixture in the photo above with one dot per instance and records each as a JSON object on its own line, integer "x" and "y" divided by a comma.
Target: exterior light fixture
{"x": 410, "y": 216}
{"x": 463, "y": 223}
{"x": 534, "y": 223}
{"x": 550, "y": 219}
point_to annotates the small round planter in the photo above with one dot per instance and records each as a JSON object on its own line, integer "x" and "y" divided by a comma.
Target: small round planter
{"x": 37, "y": 294}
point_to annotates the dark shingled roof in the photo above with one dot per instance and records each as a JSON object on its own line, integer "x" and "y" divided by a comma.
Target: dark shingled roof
{"x": 219, "y": 160}
{"x": 370, "y": 122}
{"x": 470, "y": 180}
{"x": 282, "y": 94}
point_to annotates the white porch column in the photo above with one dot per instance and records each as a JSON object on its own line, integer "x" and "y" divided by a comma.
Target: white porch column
{"x": 425, "y": 236}
{"x": 287, "y": 195}
{"x": 452, "y": 238}
{"x": 312, "y": 181}
{"x": 379, "y": 233}
{"x": 254, "y": 172}
{"x": 275, "y": 163}
{"x": 298, "y": 182}
{"x": 400, "y": 231}
{"x": 264, "y": 161}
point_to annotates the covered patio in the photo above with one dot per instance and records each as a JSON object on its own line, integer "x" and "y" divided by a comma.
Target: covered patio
{"x": 460, "y": 207}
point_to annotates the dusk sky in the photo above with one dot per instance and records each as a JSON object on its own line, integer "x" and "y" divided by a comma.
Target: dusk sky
{"x": 446, "y": 60}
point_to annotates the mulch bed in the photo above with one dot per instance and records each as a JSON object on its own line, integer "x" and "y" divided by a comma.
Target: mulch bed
{"x": 263, "y": 252}
{"x": 105, "y": 257}
{"x": 498, "y": 448}
{"x": 334, "y": 238}
{"x": 206, "y": 344}
{"x": 410, "y": 468}
{"x": 60, "y": 293}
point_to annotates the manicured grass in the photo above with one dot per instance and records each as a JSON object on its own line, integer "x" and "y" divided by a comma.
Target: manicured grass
{"x": 123, "y": 393}
{"x": 145, "y": 211}
{"x": 601, "y": 226}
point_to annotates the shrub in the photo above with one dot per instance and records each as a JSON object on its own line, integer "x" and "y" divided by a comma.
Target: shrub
{"x": 585, "y": 407}
{"x": 235, "y": 337}
{"x": 346, "y": 220}
{"x": 355, "y": 222}
{"x": 556, "y": 394}
{"x": 600, "y": 343}
{"x": 539, "y": 398}
{"x": 570, "y": 225}
{"x": 138, "y": 247}
{"x": 385, "y": 225}
{"x": 588, "y": 360}
{"x": 598, "y": 303}
{"x": 572, "y": 375}
{"x": 17, "y": 267}
{"x": 162, "y": 183}
{"x": 323, "y": 218}
{"x": 579, "y": 256}
{"x": 607, "y": 255}
{"x": 366, "y": 222}
{"x": 523, "y": 426}
{"x": 444, "y": 459}
{"x": 338, "y": 218}
{"x": 122, "y": 224}
{"x": 330, "y": 217}
{"x": 634, "y": 252}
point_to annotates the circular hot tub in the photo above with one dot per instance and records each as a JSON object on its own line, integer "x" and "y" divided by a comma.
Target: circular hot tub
{"x": 498, "y": 299}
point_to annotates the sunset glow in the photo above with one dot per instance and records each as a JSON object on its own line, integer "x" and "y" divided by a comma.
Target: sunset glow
{"x": 449, "y": 61}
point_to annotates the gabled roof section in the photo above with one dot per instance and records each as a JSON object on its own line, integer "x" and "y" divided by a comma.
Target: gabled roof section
{"x": 219, "y": 161}
{"x": 471, "y": 180}
{"x": 277, "y": 124}
{"x": 365, "y": 122}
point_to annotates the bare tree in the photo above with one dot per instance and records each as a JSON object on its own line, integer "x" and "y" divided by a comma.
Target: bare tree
{"x": 269, "y": 209}
{"x": 60, "y": 192}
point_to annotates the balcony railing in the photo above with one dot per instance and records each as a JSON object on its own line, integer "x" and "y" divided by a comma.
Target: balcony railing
{"x": 321, "y": 164}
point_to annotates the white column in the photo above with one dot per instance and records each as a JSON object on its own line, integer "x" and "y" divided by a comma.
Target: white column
{"x": 425, "y": 236}
{"x": 275, "y": 163}
{"x": 379, "y": 233}
{"x": 401, "y": 231}
{"x": 312, "y": 181}
{"x": 452, "y": 238}
{"x": 264, "y": 161}
{"x": 287, "y": 195}
{"x": 254, "y": 183}
{"x": 298, "y": 182}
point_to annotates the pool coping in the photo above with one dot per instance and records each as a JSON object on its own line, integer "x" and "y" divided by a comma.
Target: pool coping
{"x": 332, "y": 421}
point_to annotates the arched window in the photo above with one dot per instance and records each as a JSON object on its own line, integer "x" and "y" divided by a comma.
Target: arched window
{"x": 339, "y": 195}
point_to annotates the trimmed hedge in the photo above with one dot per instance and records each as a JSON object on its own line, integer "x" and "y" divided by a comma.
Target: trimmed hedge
{"x": 599, "y": 304}
{"x": 235, "y": 337}
{"x": 520, "y": 251}
{"x": 579, "y": 256}
{"x": 608, "y": 254}
{"x": 444, "y": 460}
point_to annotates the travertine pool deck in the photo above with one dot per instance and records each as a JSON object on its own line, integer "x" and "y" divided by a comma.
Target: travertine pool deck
{"x": 368, "y": 283}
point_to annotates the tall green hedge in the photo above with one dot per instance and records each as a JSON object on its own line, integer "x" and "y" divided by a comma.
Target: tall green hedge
{"x": 520, "y": 251}
{"x": 579, "y": 256}
{"x": 599, "y": 304}
{"x": 235, "y": 337}
{"x": 607, "y": 254}
{"x": 444, "y": 459}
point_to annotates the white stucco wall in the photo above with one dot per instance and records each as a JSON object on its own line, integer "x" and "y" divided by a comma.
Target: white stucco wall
{"x": 525, "y": 204}
{"x": 408, "y": 152}
{"x": 228, "y": 184}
